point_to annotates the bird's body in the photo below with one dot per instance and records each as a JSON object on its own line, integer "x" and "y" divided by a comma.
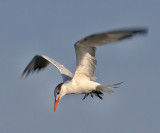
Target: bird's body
{"x": 83, "y": 80}
{"x": 79, "y": 86}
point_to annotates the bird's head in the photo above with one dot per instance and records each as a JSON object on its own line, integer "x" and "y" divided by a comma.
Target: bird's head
{"x": 58, "y": 93}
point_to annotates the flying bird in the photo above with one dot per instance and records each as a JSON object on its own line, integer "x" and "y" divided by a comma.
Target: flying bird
{"x": 83, "y": 80}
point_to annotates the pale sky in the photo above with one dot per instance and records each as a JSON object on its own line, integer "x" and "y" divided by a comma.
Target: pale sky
{"x": 51, "y": 27}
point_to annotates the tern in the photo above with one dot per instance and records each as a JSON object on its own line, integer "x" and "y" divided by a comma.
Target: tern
{"x": 83, "y": 80}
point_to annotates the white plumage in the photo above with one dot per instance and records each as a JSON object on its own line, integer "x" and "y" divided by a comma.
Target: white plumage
{"x": 83, "y": 80}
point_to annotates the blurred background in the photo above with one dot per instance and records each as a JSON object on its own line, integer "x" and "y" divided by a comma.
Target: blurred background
{"x": 51, "y": 27}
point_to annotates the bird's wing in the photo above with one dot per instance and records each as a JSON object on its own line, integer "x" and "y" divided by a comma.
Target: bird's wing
{"x": 41, "y": 61}
{"x": 86, "y": 49}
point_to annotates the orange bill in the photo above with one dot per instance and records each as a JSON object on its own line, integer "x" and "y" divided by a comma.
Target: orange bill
{"x": 56, "y": 104}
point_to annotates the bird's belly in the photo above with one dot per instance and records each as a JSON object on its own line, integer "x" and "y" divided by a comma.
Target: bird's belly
{"x": 82, "y": 87}
{"x": 81, "y": 90}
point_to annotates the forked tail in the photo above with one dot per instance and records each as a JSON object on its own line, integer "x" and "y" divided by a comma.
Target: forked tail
{"x": 107, "y": 88}
{"x": 102, "y": 88}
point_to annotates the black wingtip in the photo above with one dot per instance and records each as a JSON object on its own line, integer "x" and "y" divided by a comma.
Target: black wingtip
{"x": 23, "y": 74}
{"x": 140, "y": 30}
{"x": 131, "y": 31}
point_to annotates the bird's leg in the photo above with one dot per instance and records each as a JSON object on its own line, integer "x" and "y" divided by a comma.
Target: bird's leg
{"x": 99, "y": 94}
{"x": 91, "y": 94}
{"x": 96, "y": 93}
{"x": 85, "y": 96}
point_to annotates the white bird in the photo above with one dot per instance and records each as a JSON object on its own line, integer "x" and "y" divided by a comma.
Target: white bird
{"x": 83, "y": 80}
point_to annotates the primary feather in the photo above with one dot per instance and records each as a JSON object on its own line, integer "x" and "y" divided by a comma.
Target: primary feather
{"x": 86, "y": 49}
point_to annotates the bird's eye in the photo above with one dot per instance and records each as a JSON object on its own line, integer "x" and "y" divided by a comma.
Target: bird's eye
{"x": 57, "y": 92}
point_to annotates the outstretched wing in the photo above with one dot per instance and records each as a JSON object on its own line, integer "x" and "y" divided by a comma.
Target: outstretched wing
{"x": 86, "y": 49}
{"x": 41, "y": 61}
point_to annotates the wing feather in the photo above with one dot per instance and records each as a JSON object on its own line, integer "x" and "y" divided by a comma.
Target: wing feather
{"x": 40, "y": 62}
{"x": 86, "y": 49}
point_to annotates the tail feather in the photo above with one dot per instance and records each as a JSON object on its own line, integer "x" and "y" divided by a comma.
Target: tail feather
{"x": 107, "y": 88}
{"x": 104, "y": 88}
